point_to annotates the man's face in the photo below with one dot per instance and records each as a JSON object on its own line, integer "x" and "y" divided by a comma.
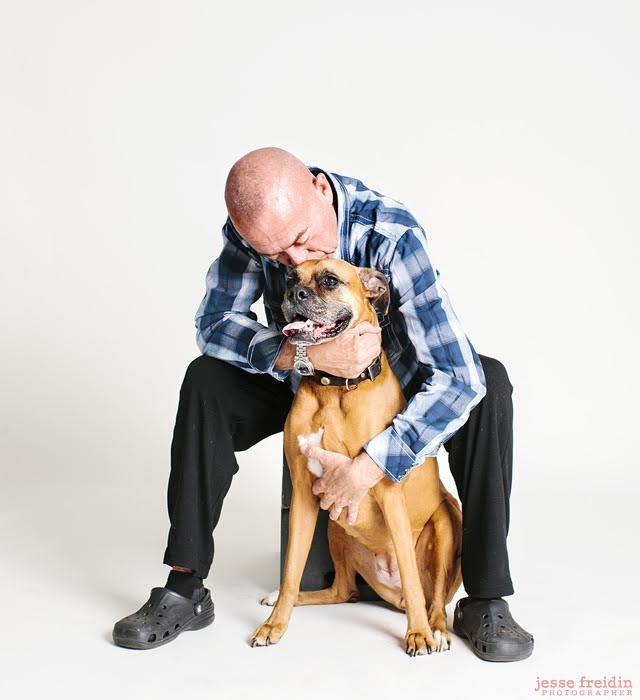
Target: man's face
{"x": 293, "y": 233}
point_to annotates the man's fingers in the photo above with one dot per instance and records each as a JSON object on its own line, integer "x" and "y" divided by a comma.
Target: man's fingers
{"x": 329, "y": 460}
{"x": 335, "y": 512}
{"x": 315, "y": 452}
{"x": 317, "y": 487}
{"x": 326, "y": 502}
{"x": 353, "y": 513}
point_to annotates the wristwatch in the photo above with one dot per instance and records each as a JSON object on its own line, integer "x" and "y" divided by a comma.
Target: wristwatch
{"x": 301, "y": 362}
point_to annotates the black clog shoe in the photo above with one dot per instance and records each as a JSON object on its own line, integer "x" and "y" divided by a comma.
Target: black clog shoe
{"x": 163, "y": 617}
{"x": 493, "y": 633}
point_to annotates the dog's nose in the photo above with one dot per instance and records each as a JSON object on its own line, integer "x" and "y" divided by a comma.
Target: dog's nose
{"x": 300, "y": 293}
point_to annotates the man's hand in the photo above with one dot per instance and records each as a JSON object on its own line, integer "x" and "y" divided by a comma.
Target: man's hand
{"x": 344, "y": 481}
{"x": 349, "y": 353}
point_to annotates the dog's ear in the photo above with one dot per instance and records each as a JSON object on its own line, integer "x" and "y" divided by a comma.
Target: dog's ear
{"x": 376, "y": 288}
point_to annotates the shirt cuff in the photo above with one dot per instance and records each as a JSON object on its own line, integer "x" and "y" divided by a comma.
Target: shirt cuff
{"x": 392, "y": 455}
{"x": 264, "y": 351}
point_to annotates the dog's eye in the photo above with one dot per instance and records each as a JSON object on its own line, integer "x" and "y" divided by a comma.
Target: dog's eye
{"x": 329, "y": 281}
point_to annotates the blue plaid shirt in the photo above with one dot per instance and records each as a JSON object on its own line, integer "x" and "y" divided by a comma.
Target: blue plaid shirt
{"x": 438, "y": 368}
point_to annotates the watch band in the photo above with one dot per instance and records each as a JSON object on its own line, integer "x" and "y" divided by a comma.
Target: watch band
{"x": 301, "y": 362}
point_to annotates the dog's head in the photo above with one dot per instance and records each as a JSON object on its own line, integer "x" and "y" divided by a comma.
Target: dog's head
{"x": 325, "y": 297}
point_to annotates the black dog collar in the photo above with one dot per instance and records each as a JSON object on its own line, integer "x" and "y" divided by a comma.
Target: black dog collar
{"x": 371, "y": 372}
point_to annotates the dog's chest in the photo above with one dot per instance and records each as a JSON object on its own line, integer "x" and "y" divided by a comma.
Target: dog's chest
{"x": 346, "y": 426}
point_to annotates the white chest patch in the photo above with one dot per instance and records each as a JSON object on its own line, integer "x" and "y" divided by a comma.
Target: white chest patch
{"x": 312, "y": 439}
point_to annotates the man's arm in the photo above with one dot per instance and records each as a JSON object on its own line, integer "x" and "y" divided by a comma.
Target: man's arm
{"x": 285, "y": 358}
{"x": 456, "y": 383}
{"x": 226, "y": 328}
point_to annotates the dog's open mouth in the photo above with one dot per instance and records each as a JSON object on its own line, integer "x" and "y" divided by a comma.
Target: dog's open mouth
{"x": 304, "y": 328}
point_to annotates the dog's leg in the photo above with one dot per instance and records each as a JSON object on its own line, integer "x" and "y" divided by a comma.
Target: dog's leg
{"x": 302, "y": 522}
{"x": 343, "y": 588}
{"x": 419, "y": 639}
{"x": 455, "y": 519}
{"x": 435, "y": 550}
{"x": 327, "y": 596}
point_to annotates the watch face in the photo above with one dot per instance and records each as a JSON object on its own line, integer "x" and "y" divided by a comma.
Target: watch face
{"x": 303, "y": 367}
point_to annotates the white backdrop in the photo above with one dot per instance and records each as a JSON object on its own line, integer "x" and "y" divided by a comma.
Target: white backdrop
{"x": 510, "y": 131}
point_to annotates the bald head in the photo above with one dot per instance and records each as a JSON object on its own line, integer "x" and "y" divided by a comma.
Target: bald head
{"x": 280, "y": 208}
{"x": 265, "y": 179}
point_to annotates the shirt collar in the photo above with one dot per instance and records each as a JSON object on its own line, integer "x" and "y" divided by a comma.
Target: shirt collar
{"x": 342, "y": 210}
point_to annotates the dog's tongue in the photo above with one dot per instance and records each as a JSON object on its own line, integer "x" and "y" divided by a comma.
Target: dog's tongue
{"x": 314, "y": 329}
{"x": 291, "y": 328}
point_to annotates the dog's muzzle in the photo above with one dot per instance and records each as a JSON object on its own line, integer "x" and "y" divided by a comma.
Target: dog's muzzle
{"x": 311, "y": 319}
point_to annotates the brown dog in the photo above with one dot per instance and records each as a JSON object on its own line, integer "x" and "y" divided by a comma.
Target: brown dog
{"x": 406, "y": 541}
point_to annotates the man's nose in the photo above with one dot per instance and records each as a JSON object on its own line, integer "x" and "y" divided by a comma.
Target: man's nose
{"x": 296, "y": 256}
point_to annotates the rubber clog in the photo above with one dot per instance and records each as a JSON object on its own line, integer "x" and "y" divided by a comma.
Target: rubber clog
{"x": 163, "y": 617}
{"x": 493, "y": 633}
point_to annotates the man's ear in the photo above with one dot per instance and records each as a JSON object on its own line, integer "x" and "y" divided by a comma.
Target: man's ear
{"x": 376, "y": 288}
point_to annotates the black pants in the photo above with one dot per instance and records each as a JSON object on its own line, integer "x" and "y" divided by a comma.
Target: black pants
{"x": 223, "y": 410}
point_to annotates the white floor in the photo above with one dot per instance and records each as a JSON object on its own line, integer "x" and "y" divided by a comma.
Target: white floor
{"x": 77, "y": 559}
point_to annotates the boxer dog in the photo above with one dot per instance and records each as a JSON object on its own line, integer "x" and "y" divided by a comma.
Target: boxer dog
{"x": 406, "y": 541}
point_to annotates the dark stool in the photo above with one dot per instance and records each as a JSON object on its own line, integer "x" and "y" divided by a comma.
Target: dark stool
{"x": 318, "y": 572}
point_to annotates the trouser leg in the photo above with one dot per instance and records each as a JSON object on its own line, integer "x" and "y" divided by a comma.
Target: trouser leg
{"x": 222, "y": 410}
{"x": 480, "y": 459}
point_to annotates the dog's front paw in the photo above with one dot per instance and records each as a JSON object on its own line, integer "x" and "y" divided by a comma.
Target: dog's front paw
{"x": 267, "y": 634}
{"x": 438, "y": 623}
{"x": 271, "y": 598}
{"x": 419, "y": 643}
{"x": 441, "y": 641}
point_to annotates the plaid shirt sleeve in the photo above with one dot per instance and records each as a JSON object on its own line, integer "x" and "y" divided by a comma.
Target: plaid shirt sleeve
{"x": 226, "y": 327}
{"x": 455, "y": 380}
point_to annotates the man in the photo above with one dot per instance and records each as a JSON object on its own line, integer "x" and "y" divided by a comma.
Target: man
{"x": 281, "y": 213}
